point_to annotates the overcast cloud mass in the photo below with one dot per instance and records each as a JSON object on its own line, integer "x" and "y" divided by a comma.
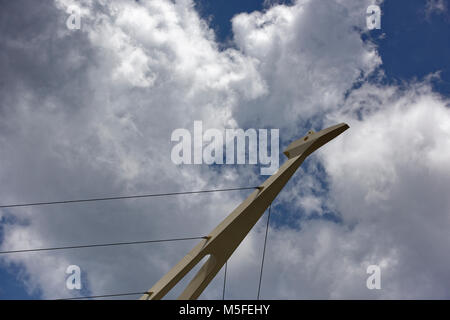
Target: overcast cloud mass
{"x": 89, "y": 113}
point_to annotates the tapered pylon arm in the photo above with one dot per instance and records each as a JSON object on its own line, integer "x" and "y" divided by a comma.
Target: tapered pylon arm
{"x": 226, "y": 237}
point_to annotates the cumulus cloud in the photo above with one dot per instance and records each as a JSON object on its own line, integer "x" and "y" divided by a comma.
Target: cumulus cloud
{"x": 102, "y": 127}
{"x": 387, "y": 178}
{"x": 304, "y": 78}
{"x": 90, "y": 113}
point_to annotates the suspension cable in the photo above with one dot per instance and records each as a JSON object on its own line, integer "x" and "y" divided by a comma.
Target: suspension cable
{"x": 264, "y": 253}
{"x": 122, "y": 197}
{"x": 100, "y": 245}
{"x": 106, "y": 295}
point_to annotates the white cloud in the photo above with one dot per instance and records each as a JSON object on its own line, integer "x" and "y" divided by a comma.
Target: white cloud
{"x": 292, "y": 44}
{"x": 94, "y": 118}
{"x": 390, "y": 185}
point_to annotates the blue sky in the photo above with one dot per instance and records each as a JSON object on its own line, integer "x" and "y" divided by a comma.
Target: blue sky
{"x": 416, "y": 43}
{"x": 413, "y": 42}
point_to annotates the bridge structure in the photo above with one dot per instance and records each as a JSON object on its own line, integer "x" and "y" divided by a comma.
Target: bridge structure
{"x": 221, "y": 242}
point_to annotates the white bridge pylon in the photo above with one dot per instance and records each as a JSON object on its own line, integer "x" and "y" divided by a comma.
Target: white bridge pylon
{"x": 226, "y": 237}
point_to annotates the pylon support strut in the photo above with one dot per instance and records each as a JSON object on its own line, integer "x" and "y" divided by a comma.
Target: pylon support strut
{"x": 220, "y": 244}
